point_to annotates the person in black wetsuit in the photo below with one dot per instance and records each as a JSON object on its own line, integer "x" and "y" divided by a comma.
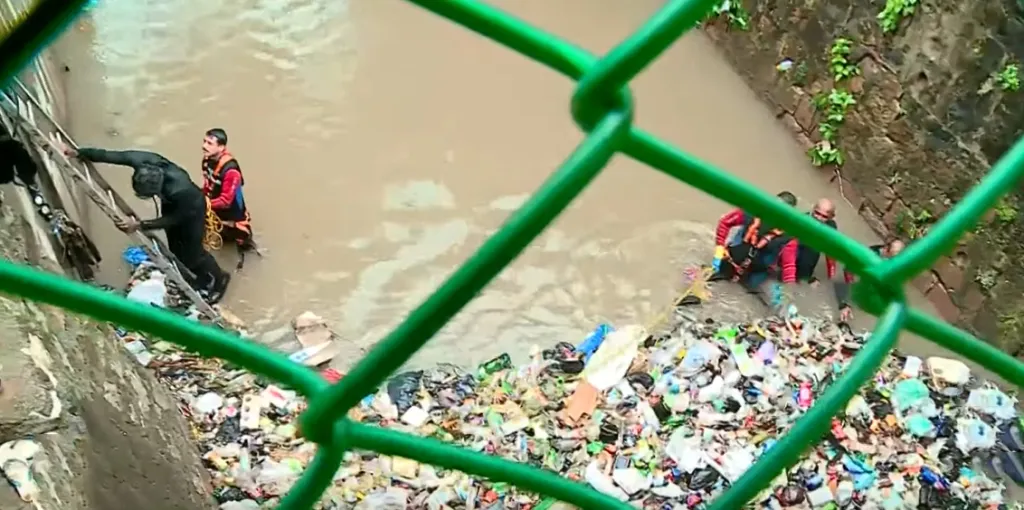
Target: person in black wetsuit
{"x": 184, "y": 212}
{"x": 15, "y": 161}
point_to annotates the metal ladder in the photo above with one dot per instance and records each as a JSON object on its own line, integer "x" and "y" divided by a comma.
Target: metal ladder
{"x": 19, "y": 110}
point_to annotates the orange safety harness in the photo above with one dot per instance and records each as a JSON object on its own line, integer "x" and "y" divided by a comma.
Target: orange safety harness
{"x": 755, "y": 243}
{"x": 212, "y": 178}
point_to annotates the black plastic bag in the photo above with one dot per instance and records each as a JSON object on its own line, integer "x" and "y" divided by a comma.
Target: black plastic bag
{"x": 642, "y": 379}
{"x": 403, "y": 388}
{"x": 225, "y": 494}
{"x": 704, "y": 479}
{"x": 609, "y": 432}
{"x": 661, "y": 410}
{"x": 932, "y": 499}
{"x": 229, "y": 431}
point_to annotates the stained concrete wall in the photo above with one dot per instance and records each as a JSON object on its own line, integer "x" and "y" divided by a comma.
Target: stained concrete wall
{"x": 929, "y": 121}
{"x": 112, "y": 436}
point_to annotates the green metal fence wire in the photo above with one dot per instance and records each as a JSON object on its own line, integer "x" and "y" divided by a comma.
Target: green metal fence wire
{"x": 602, "y": 106}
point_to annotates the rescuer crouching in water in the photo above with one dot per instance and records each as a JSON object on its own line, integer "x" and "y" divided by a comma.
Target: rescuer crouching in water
{"x": 808, "y": 257}
{"x": 751, "y": 254}
{"x": 222, "y": 185}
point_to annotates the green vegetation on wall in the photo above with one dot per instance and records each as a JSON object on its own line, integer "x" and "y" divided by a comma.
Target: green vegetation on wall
{"x": 1008, "y": 79}
{"x": 832, "y": 106}
{"x": 733, "y": 12}
{"x": 894, "y": 12}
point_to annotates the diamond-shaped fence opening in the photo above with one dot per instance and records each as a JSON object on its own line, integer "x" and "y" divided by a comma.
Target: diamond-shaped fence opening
{"x": 602, "y": 106}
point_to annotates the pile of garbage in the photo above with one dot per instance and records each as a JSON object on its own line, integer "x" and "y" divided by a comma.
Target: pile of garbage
{"x": 664, "y": 417}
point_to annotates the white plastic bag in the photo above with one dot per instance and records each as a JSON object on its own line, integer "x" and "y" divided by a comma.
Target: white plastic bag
{"x": 275, "y": 478}
{"x": 949, "y": 371}
{"x": 992, "y": 402}
{"x": 16, "y": 465}
{"x": 974, "y": 435}
{"x": 611, "y": 361}
{"x": 245, "y": 504}
{"x": 735, "y": 462}
{"x": 150, "y": 292}
{"x": 631, "y": 480}
{"x": 602, "y": 483}
{"x": 685, "y": 451}
{"x": 390, "y": 500}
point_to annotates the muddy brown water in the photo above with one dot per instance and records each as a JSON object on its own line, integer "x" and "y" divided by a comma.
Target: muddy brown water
{"x": 382, "y": 144}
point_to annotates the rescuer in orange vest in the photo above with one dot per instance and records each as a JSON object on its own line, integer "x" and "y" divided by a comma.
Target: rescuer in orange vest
{"x": 753, "y": 253}
{"x": 222, "y": 184}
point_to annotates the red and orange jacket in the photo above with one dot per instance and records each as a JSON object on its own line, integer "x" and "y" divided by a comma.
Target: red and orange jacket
{"x": 787, "y": 255}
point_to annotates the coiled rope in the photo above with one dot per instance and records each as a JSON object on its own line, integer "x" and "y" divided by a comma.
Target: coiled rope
{"x": 212, "y": 239}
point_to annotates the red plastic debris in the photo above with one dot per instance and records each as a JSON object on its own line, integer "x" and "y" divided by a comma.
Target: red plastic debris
{"x": 332, "y": 375}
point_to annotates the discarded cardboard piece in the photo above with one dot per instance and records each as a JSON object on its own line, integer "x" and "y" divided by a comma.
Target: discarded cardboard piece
{"x": 318, "y": 343}
{"x": 582, "y": 403}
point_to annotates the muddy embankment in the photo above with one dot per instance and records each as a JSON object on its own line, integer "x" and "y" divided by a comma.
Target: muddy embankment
{"x": 108, "y": 434}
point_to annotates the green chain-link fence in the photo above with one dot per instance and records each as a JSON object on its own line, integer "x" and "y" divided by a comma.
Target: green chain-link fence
{"x": 603, "y": 107}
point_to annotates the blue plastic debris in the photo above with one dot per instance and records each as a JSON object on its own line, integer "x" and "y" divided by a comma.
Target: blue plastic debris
{"x": 135, "y": 256}
{"x": 593, "y": 341}
{"x": 777, "y": 295}
{"x": 863, "y": 475}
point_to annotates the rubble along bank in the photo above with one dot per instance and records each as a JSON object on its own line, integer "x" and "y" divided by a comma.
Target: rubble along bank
{"x": 109, "y": 435}
{"x": 664, "y": 418}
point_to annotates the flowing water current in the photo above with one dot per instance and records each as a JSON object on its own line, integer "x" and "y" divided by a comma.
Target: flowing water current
{"x": 382, "y": 144}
